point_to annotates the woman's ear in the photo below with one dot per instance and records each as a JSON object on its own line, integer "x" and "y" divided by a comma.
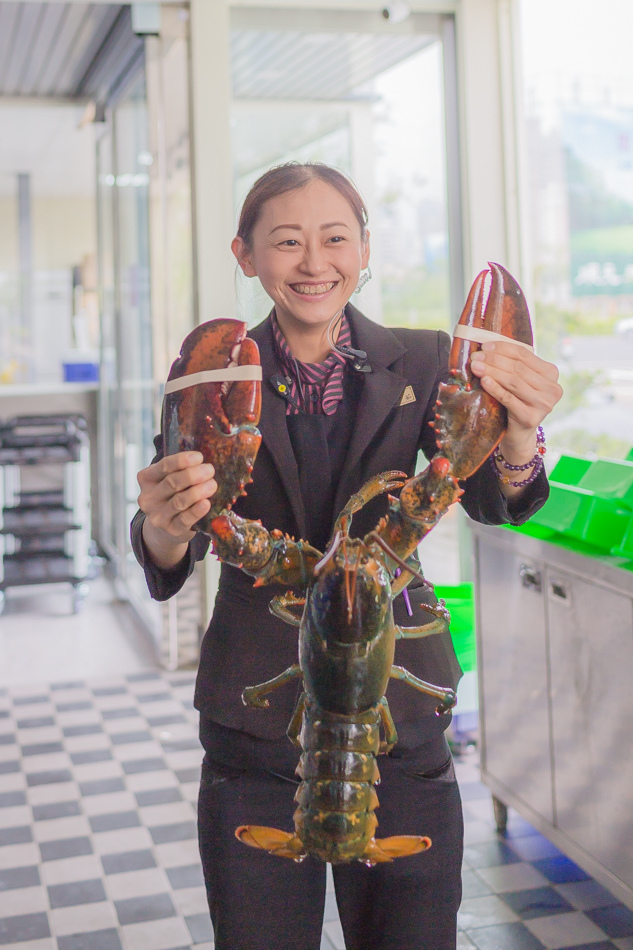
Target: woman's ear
{"x": 243, "y": 257}
{"x": 365, "y": 252}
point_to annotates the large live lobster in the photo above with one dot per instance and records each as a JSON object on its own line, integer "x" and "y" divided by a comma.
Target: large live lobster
{"x": 343, "y": 607}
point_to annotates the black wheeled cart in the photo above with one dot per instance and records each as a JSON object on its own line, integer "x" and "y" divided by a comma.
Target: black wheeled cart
{"x": 45, "y": 520}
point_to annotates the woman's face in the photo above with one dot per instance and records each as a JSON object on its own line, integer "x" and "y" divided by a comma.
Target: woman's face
{"x": 308, "y": 253}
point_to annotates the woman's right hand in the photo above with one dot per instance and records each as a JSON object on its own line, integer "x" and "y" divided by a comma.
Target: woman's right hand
{"x": 174, "y": 495}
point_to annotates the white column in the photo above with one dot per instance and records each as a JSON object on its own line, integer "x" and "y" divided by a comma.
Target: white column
{"x": 214, "y": 222}
{"x": 214, "y": 225}
{"x": 493, "y": 173}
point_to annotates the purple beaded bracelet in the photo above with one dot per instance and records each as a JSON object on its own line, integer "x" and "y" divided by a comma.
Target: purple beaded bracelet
{"x": 536, "y": 463}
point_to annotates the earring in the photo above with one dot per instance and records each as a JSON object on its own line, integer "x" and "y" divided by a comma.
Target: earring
{"x": 363, "y": 279}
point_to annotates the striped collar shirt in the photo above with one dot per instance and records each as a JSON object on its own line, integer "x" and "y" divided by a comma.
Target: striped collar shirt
{"x": 315, "y": 388}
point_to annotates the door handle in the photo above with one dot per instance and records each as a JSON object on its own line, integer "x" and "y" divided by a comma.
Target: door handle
{"x": 531, "y": 578}
{"x": 561, "y": 592}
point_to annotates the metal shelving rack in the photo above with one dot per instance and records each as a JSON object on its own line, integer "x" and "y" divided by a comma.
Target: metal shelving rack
{"x": 45, "y": 532}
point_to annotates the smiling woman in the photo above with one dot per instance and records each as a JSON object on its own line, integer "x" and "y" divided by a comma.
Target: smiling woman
{"x": 343, "y": 399}
{"x": 304, "y": 234}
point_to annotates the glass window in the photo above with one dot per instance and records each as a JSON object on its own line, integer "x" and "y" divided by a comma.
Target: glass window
{"x": 579, "y": 121}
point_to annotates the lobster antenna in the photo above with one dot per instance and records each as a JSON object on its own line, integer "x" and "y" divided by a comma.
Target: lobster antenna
{"x": 392, "y": 554}
{"x": 350, "y": 586}
{"x": 328, "y": 554}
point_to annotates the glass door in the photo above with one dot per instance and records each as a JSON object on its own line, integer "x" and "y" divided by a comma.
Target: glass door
{"x": 134, "y": 337}
{"x": 368, "y": 97}
{"x": 147, "y": 297}
{"x": 127, "y": 381}
{"x": 109, "y": 489}
{"x": 378, "y": 101}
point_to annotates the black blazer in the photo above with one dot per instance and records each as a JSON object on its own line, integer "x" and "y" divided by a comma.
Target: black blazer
{"x": 245, "y": 644}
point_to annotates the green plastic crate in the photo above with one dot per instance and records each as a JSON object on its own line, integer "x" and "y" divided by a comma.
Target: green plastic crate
{"x": 590, "y": 508}
{"x": 533, "y": 530}
{"x": 570, "y": 469}
{"x": 625, "y": 547}
{"x": 610, "y": 478}
{"x": 605, "y": 527}
{"x": 460, "y": 602}
{"x": 566, "y": 505}
{"x": 583, "y": 515}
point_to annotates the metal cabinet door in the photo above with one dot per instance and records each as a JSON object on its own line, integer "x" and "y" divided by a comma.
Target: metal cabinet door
{"x": 591, "y": 650}
{"x": 512, "y": 664}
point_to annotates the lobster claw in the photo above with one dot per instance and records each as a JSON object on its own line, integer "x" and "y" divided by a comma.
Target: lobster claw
{"x": 469, "y": 423}
{"x": 212, "y": 405}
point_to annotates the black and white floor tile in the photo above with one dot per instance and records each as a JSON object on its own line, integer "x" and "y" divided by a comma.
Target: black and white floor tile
{"x": 98, "y": 850}
{"x": 98, "y": 841}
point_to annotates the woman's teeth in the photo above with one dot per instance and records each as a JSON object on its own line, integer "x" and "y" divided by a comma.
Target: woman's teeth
{"x": 313, "y": 289}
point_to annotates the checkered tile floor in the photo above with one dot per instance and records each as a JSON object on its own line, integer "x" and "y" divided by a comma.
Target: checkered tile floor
{"x": 98, "y": 851}
{"x": 98, "y": 841}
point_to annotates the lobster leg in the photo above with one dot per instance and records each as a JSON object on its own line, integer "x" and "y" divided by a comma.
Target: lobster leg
{"x": 269, "y": 556}
{"x": 386, "y": 481}
{"x": 447, "y": 696}
{"x": 424, "y": 630}
{"x": 294, "y": 726}
{"x": 253, "y": 695}
{"x": 389, "y": 726}
{"x": 282, "y": 607}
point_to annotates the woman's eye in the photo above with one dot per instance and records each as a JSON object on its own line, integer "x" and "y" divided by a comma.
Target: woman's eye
{"x": 337, "y": 239}
{"x": 290, "y": 243}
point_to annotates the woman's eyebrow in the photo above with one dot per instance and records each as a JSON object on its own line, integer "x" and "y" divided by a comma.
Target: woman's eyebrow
{"x": 297, "y": 227}
{"x": 290, "y": 227}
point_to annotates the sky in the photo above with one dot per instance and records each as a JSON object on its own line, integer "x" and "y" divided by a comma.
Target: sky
{"x": 583, "y": 41}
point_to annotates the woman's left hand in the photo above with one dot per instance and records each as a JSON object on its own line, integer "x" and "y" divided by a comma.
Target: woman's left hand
{"x": 526, "y": 385}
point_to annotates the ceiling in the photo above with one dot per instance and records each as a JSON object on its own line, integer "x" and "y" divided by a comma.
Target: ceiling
{"x": 51, "y": 54}
{"x": 75, "y": 49}
{"x": 65, "y": 50}
{"x": 288, "y": 64}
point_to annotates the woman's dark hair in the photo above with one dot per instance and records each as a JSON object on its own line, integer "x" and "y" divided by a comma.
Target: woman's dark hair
{"x": 290, "y": 177}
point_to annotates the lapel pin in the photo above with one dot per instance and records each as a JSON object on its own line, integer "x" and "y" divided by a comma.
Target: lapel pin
{"x": 407, "y": 396}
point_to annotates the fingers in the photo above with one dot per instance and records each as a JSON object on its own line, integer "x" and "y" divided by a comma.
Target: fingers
{"x": 175, "y": 472}
{"x": 515, "y": 359}
{"x": 181, "y": 482}
{"x": 521, "y": 381}
{"x": 175, "y": 492}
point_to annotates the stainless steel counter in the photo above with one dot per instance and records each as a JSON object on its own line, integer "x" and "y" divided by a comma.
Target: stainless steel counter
{"x": 555, "y": 661}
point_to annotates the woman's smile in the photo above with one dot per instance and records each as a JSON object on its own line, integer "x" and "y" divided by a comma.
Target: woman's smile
{"x": 313, "y": 290}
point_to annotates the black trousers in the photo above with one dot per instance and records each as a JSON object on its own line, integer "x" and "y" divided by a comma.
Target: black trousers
{"x": 261, "y": 902}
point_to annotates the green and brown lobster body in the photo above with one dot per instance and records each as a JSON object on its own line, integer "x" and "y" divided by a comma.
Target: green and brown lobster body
{"x": 343, "y": 608}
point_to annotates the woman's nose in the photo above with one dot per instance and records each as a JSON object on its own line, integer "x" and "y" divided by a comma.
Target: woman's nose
{"x": 314, "y": 260}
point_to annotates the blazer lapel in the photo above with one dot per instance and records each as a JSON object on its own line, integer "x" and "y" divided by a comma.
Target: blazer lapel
{"x": 273, "y": 428}
{"x": 382, "y": 390}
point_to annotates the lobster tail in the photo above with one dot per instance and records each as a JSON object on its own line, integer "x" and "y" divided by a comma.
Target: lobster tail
{"x": 280, "y": 843}
{"x": 380, "y": 850}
